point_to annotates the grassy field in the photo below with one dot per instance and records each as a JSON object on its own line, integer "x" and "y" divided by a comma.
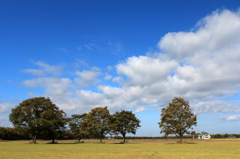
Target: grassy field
{"x": 228, "y": 148}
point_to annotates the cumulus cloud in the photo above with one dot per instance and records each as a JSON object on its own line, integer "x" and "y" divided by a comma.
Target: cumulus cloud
{"x": 6, "y": 107}
{"x": 201, "y": 66}
{"x": 5, "y": 121}
{"x": 58, "y": 89}
{"x": 55, "y": 87}
{"x": 145, "y": 70}
{"x": 214, "y": 32}
{"x": 117, "y": 79}
{"x": 44, "y": 69}
{"x": 86, "y": 78}
{"x": 216, "y": 107}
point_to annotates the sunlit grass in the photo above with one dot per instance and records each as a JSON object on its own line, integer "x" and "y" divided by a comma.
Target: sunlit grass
{"x": 146, "y": 149}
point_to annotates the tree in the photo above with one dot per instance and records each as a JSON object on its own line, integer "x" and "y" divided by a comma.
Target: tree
{"x": 78, "y": 125}
{"x": 53, "y": 122}
{"x": 177, "y": 118}
{"x": 125, "y": 122}
{"x": 98, "y": 122}
{"x": 193, "y": 133}
{"x": 36, "y": 116}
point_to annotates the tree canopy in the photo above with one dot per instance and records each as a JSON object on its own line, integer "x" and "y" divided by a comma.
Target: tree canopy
{"x": 193, "y": 133}
{"x": 98, "y": 122}
{"x": 177, "y": 118}
{"x": 78, "y": 125}
{"x": 38, "y": 116}
{"x": 125, "y": 122}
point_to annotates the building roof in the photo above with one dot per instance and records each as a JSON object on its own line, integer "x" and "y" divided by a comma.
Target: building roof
{"x": 202, "y": 133}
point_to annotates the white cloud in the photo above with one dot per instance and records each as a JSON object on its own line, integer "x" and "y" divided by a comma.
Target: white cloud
{"x": 86, "y": 78}
{"x": 216, "y": 107}
{"x": 230, "y": 118}
{"x": 58, "y": 89}
{"x": 198, "y": 65}
{"x": 144, "y": 70}
{"x": 34, "y": 72}
{"x": 201, "y": 66}
{"x": 140, "y": 109}
{"x": 44, "y": 69}
{"x": 95, "y": 69}
{"x": 90, "y": 98}
{"x": 6, "y": 107}
{"x": 5, "y": 122}
{"x": 107, "y": 76}
{"x": 214, "y": 32}
{"x": 55, "y": 87}
{"x": 233, "y": 118}
{"x": 118, "y": 79}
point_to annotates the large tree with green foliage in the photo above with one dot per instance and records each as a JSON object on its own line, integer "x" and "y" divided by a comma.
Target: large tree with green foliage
{"x": 37, "y": 116}
{"x": 98, "y": 122}
{"x": 53, "y": 122}
{"x": 78, "y": 125}
{"x": 177, "y": 118}
{"x": 125, "y": 122}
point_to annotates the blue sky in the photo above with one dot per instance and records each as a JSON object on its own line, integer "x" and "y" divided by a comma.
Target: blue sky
{"x": 132, "y": 55}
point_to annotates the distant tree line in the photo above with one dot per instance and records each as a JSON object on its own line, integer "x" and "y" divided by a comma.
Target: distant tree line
{"x": 225, "y": 135}
{"x": 174, "y": 137}
{"x": 13, "y": 134}
{"x": 39, "y": 118}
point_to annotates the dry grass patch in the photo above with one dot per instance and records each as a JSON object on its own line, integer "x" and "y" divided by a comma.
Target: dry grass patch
{"x": 134, "y": 149}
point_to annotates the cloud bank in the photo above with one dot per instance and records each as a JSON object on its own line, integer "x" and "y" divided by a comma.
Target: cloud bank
{"x": 201, "y": 65}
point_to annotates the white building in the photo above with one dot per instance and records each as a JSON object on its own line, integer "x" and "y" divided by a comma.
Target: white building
{"x": 204, "y": 135}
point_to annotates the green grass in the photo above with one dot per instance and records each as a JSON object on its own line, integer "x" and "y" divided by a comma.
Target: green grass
{"x": 150, "y": 149}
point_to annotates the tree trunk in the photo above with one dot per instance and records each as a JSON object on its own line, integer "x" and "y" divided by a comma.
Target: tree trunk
{"x": 34, "y": 139}
{"x": 79, "y": 140}
{"x": 53, "y": 137}
{"x": 181, "y": 139}
{"x": 124, "y": 138}
{"x": 100, "y": 140}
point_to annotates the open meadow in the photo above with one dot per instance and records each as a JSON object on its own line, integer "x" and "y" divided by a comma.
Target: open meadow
{"x": 149, "y": 148}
